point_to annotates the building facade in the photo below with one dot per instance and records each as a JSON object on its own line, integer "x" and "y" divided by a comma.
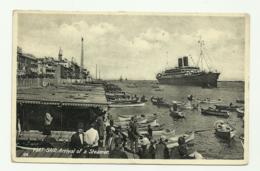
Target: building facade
{"x": 28, "y": 66}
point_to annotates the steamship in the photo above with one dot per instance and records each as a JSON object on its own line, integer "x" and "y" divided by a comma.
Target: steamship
{"x": 184, "y": 74}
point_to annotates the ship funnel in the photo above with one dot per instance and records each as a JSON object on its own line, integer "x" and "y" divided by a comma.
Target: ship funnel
{"x": 185, "y": 61}
{"x": 180, "y": 62}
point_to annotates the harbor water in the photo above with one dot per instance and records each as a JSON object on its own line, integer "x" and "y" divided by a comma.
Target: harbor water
{"x": 206, "y": 143}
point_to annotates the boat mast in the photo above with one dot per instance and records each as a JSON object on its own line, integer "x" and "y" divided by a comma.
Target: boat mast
{"x": 99, "y": 73}
{"x": 96, "y": 71}
{"x": 201, "y": 55}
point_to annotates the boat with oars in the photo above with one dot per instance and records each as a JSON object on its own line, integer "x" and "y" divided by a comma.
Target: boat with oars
{"x": 176, "y": 114}
{"x": 224, "y": 130}
{"x": 215, "y": 112}
{"x": 229, "y": 107}
{"x": 159, "y": 102}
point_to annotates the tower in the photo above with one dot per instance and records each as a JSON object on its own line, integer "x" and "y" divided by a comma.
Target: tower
{"x": 82, "y": 58}
{"x": 82, "y": 53}
{"x": 60, "y": 54}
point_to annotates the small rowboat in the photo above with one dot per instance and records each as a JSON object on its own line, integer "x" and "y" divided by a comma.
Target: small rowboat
{"x": 177, "y": 114}
{"x": 155, "y": 128}
{"x": 158, "y": 131}
{"x": 227, "y": 107}
{"x": 159, "y": 102}
{"x": 215, "y": 112}
{"x": 209, "y": 101}
{"x": 121, "y": 105}
{"x": 140, "y": 121}
{"x": 224, "y": 130}
{"x": 124, "y": 100}
{"x": 128, "y": 117}
{"x": 173, "y": 141}
{"x": 240, "y": 112}
{"x": 153, "y": 124}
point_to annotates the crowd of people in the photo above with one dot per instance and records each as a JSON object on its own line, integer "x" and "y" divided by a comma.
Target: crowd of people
{"x": 104, "y": 135}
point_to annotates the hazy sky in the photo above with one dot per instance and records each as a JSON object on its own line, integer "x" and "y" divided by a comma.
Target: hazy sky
{"x": 136, "y": 46}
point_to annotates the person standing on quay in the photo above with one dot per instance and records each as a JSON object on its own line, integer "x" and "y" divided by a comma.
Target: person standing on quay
{"x": 108, "y": 131}
{"x": 47, "y": 124}
{"x": 133, "y": 134}
{"x": 150, "y": 132}
{"x": 161, "y": 149}
{"x": 183, "y": 148}
{"x": 77, "y": 141}
{"x": 100, "y": 129}
{"x": 91, "y": 138}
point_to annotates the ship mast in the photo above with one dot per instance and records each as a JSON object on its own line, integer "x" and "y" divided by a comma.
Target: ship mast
{"x": 96, "y": 71}
{"x": 202, "y": 58}
{"x": 99, "y": 73}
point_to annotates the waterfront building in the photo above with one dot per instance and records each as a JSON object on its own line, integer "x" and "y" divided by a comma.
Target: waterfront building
{"x": 26, "y": 65}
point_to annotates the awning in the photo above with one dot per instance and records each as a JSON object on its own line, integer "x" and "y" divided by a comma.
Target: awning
{"x": 61, "y": 103}
{"x": 91, "y": 96}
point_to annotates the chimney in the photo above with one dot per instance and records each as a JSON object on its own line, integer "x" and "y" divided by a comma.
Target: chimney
{"x": 60, "y": 54}
{"x": 180, "y": 62}
{"x": 185, "y": 61}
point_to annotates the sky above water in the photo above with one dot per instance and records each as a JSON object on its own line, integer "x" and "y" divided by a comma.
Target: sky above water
{"x": 136, "y": 46}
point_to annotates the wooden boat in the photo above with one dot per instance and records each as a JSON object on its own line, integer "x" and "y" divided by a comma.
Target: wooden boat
{"x": 120, "y": 105}
{"x": 209, "y": 101}
{"x": 122, "y": 93}
{"x": 224, "y": 130}
{"x": 167, "y": 132}
{"x": 124, "y": 100}
{"x": 227, "y": 107}
{"x": 240, "y": 112}
{"x": 155, "y": 128}
{"x": 157, "y": 131}
{"x": 177, "y": 114}
{"x": 153, "y": 124}
{"x": 187, "y": 105}
{"x": 128, "y": 117}
{"x": 159, "y": 102}
{"x": 140, "y": 121}
{"x": 215, "y": 112}
{"x": 173, "y": 140}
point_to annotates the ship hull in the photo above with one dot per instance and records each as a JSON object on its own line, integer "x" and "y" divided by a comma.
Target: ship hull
{"x": 203, "y": 80}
